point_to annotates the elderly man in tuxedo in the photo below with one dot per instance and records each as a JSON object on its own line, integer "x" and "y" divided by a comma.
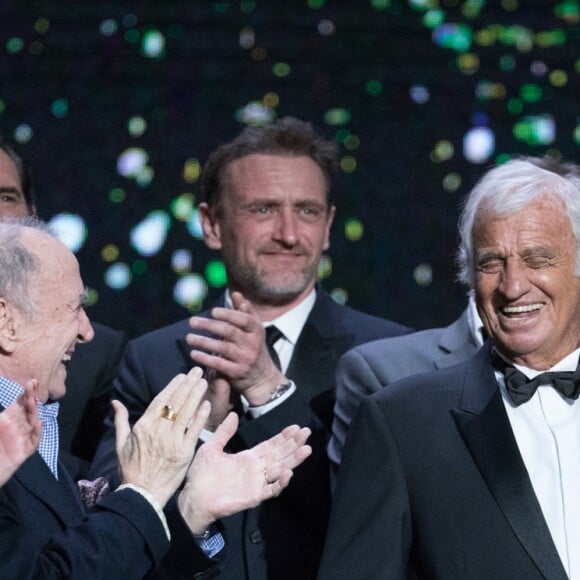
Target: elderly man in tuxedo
{"x": 268, "y": 208}
{"x": 472, "y": 471}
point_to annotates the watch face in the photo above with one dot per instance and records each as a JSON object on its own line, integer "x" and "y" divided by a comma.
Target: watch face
{"x": 280, "y": 390}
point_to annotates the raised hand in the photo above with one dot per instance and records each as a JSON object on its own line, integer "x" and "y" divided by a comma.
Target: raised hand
{"x": 20, "y": 431}
{"x": 157, "y": 452}
{"x": 219, "y": 484}
{"x": 235, "y": 351}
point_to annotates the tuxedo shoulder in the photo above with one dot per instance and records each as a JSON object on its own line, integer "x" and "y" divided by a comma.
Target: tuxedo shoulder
{"x": 423, "y": 388}
{"x": 381, "y": 327}
{"x": 410, "y": 343}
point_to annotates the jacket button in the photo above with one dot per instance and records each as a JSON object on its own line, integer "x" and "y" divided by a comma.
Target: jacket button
{"x": 255, "y": 537}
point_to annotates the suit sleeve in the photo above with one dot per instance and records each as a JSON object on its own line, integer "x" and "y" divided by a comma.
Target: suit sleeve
{"x": 309, "y": 489}
{"x": 122, "y": 538}
{"x": 355, "y": 379}
{"x": 369, "y": 535}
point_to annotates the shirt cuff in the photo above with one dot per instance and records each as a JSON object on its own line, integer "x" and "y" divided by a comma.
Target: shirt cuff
{"x": 210, "y": 543}
{"x": 154, "y": 504}
{"x": 206, "y": 435}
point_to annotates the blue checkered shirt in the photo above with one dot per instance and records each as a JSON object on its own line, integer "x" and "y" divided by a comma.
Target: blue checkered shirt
{"x": 48, "y": 448}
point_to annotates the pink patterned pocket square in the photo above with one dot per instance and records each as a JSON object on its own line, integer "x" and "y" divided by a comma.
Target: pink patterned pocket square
{"x": 92, "y": 491}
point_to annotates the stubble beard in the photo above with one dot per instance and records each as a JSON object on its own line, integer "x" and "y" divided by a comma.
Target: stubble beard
{"x": 265, "y": 287}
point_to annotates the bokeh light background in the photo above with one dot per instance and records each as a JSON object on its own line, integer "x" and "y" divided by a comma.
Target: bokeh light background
{"x": 116, "y": 105}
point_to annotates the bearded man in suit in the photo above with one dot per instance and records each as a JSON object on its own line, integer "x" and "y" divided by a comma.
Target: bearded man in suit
{"x": 472, "y": 471}
{"x": 268, "y": 210}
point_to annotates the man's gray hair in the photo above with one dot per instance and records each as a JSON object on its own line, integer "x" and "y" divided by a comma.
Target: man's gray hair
{"x": 18, "y": 264}
{"x": 508, "y": 188}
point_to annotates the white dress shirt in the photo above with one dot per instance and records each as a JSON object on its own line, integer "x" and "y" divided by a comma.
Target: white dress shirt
{"x": 547, "y": 432}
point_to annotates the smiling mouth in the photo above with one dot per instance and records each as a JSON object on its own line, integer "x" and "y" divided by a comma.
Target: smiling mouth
{"x": 524, "y": 309}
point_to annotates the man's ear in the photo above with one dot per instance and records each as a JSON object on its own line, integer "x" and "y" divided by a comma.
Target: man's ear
{"x": 210, "y": 226}
{"x": 8, "y": 325}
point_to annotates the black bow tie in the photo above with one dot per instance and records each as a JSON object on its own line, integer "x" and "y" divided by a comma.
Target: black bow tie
{"x": 521, "y": 389}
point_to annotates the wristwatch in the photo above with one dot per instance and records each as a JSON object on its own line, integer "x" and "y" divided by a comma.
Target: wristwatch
{"x": 280, "y": 390}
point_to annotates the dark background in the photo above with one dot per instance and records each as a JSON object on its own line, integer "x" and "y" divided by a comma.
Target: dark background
{"x": 74, "y": 74}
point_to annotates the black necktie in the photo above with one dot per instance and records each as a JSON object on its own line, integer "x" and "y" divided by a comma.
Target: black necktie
{"x": 521, "y": 389}
{"x": 273, "y": 333}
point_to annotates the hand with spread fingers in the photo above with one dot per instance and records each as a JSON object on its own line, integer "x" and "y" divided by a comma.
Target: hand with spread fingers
{"x": 235, "y": 354}
{"x": 219, "y": 484}
{"x": 156, "y": 454}
{"x": 20, "y": 431}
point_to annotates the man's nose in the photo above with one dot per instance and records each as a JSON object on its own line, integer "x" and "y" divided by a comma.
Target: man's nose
{"x": 287, "y": 226}
{"x": 86, "y": 332}
{"x": 514, "y": 281}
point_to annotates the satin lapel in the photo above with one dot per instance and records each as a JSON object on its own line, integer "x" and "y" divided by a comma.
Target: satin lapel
{"x": 315, "y": 358}
{"x": 322, "y": 342}
{"x": 57, "y": 496}
{"x": 486, "y": 431}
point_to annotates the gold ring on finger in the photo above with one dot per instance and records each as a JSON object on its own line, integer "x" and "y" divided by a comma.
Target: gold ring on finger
{"x": 168, "y": 413}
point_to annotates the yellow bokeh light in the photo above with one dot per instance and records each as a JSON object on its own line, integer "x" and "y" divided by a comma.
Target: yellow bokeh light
{"x": 191, "y": 170}
{"x": 348, "y": 164}
{"x": 110, "y": 253}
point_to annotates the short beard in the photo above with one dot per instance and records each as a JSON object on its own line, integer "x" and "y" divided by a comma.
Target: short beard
{"x": 256, "y": 287}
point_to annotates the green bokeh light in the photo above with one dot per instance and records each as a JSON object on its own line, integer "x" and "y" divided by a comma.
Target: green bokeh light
{"x": 353, "y": 229}
{"x": 337, "y": 116}
{"x": 59, "y": 108}
{"x": 117, "y": 195}
{"x": 374, "y": 87}
{"x": 14, "y": 45}
{"x": 531, "y": 93}
{"x": 139, "y": 267}
{"x": 281, "y": 69}
{"x": 215, "y": 274}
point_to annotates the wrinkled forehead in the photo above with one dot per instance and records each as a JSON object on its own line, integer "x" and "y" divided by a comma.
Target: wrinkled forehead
{"x": 57, "y": 264}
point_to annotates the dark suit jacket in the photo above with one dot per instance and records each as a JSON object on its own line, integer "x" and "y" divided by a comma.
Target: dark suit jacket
{"x": 87, "y": 400}
{"x": 46, "y": 532}
{"x": 283, "y": 538}
{"x": 372, "y": 366}
{"x": 432, "y": 485}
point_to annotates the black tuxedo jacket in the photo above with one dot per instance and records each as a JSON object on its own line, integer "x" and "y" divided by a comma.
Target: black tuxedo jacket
{"x": 432, "y": 485}
{"x": 283, "y": 538}
{"x": 89, "y": 379}
{"x": 47, "y": 533}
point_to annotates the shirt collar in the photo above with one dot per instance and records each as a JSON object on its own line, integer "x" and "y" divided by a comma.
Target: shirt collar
{"x": 10, "y": 391}
{"x": 568, "y": 364}
{"x": 292, "y": 322}
{"x": 474, "y": 321}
